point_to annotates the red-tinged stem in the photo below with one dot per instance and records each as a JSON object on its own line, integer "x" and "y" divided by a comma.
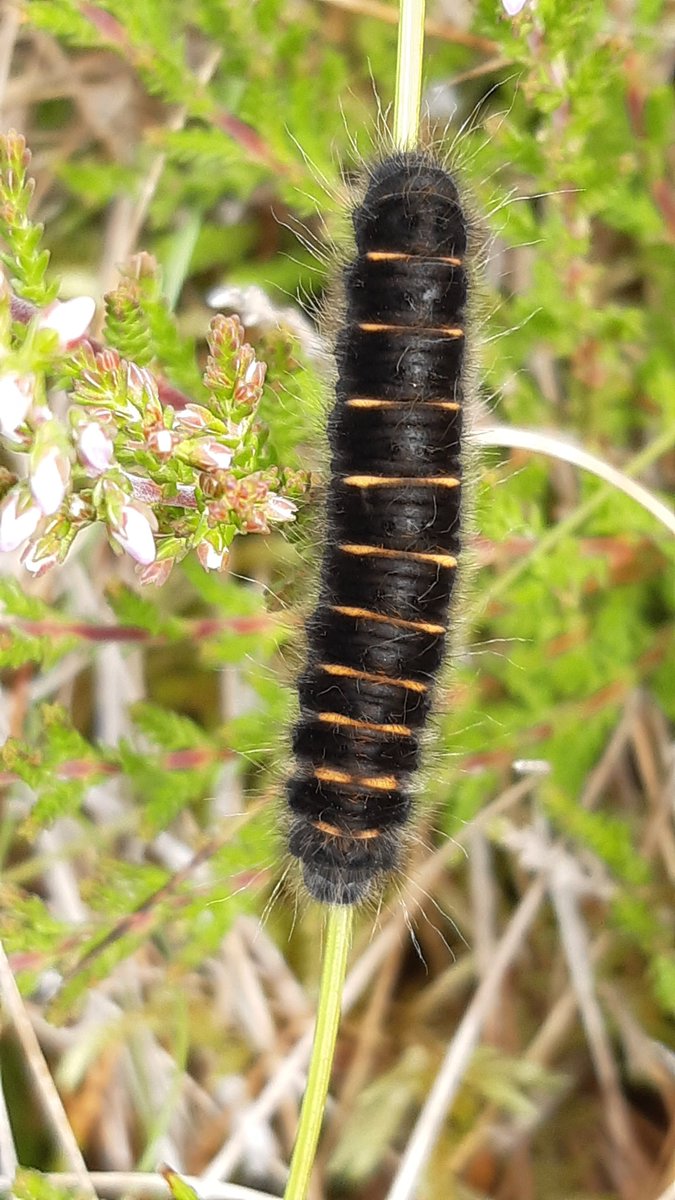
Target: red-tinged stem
{"x": 152, "y": 493}
{"x": 191, "y": 631}
{"x": 192, "y": 759}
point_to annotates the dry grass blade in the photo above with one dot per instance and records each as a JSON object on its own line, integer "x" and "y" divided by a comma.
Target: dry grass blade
{"x": 47, "y": 1096}
{"x": 115, "y": 1184}
{"x": 8, "y": 1156}
{"x": 461, "y": 1048}
{"x": 628, "y": 1167}
{"x": 556, "y": 447}
{"x": 289, "y": 1076}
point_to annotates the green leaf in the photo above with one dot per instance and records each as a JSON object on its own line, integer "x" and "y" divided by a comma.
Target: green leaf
{"x": 179, "y": 1189}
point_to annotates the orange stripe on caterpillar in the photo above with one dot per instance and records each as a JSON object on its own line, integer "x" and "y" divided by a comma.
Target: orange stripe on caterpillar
{"x": 441, "y": 560}
{"x": 451, "y": 331}
{"x": 360, "y": 835}
{"x": 371, "y": 402}
{"x": 379, "y": 783}
{"x": 334, "y": 718}
{"x": 370, "y": 677}
{"x": 397, "y": 256}
{"x": 366, "y": 481}
{"x": 368, "y": 614}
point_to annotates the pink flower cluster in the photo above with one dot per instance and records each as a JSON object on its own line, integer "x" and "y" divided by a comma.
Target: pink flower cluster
{"x": 163, "y": 480}
{"x": 27, "y": 504}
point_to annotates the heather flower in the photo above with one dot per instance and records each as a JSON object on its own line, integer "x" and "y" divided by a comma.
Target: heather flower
{"x": 40, "y": 556}
{"x": 207, "y": 452}
{"x": 95, "y": 448}
{"x": 278, "y": 508}
{"x": 156, "y": 572}
{"x": 143, "y": 388}
{"x": 19, "y": 518}
{"x": 49, "y": 479}
{"x": 133, "y": 533}
{"x": 16, "y": 397}
{"x": 130, "y": 447}
{"x": 69, "y": 319}
{"x": 248, "y": 389}
{"x": 193, "y": 417}
{"x": 210, "y": 558}
{"x": 161, "y": 442}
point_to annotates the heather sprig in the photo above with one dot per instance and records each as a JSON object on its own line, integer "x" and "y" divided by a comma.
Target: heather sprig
{"x": 162, "y": 473}
{"x": 23, "y": 257}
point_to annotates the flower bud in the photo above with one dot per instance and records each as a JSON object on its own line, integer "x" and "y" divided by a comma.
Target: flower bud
{"x": 95, "y": 448}
{"x": 207, "y": 452}
{"x": 156, "y": 572}
{"x": 192, "y": 417}
{"x": 161, "y": 442}
{"x": 255, "y": 522}
{"x": 19, "y": 517}
{"x": 255, "y": 374}
{"x": 16, "y": 397}
{"x": 142, "y": 387}
{"x": 49, "y": 479}
{"x": 133, "y": 533}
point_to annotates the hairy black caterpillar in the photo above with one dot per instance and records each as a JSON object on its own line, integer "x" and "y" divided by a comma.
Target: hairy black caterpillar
{"x": 377, "y": 636}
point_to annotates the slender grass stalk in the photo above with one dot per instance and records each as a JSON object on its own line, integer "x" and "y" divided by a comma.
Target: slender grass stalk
{"x": 570, "y": 523}
{"x": 409, "y": 61}
{"x": 339, "y": 920}
{"x": 338, "y": 938}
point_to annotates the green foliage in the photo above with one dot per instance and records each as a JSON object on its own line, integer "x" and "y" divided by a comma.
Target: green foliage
{"x": 25, "y": 260}
{"x": 31, "y": 1185}
{"x": 663, "y": 968}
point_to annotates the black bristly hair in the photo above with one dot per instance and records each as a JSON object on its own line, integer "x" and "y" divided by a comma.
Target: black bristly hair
{"x": 377, "y": 637}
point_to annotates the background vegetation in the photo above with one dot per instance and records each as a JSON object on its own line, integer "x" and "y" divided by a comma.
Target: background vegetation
{"x": 145, "y": 729}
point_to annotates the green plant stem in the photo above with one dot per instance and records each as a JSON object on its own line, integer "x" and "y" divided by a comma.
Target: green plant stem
{"x": 338, "y": 939}
{"x": 409, "y": 63}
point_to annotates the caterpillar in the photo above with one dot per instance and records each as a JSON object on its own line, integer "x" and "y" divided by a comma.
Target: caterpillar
{"x": 376, "y": 639}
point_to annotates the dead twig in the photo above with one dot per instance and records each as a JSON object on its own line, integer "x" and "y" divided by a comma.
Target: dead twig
{"x": 45, "y": 1088}
{"x": 628, "y": 1159}
{"x": 137, "y": 1183}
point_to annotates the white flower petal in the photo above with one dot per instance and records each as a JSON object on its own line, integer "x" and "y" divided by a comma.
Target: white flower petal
{"x": 96, "y": 448}
{"x": 49, "y": 479}
{"x": 210, "y": 453}
{"x": 36, "y": 563}
{"x": 16, "y": 396}
{"x": 278, "y": 508}
{"x": 134, "y": 535}
{"x": 69, "y": 319}
{"x": 210, "y": 558}
{"x": 513, "y": 7}
{"x": 16, "y": 526}
{"x": 161, "y": 441}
